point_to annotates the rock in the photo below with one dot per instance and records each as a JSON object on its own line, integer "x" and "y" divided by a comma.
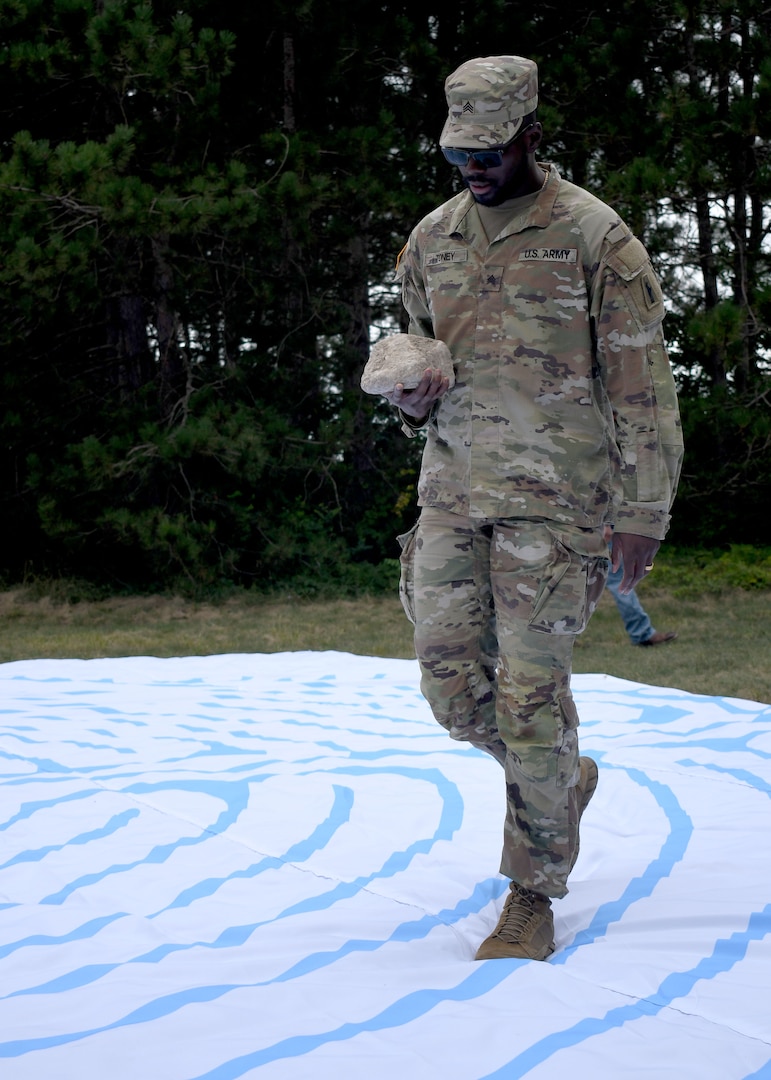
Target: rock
{"x": 402, "y": 358}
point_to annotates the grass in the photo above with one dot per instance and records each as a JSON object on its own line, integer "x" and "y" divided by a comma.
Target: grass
{"x": 175, "y": 626}
{"x": 722, "y": 647}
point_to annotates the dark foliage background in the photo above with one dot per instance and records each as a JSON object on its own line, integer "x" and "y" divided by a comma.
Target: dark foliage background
{"x": 200, "y": 209}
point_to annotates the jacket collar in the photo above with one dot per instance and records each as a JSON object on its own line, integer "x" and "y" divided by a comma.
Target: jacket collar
{"x": 537, "y": 215}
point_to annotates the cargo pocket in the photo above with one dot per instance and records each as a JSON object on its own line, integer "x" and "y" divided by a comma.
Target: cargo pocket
{"x": 406, "y": 542}
{"x": 569, "y": 591}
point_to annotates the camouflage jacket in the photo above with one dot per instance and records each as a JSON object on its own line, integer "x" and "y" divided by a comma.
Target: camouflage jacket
{"x": 564, "y": 405}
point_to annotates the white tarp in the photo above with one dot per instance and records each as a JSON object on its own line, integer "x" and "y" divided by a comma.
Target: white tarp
{"x": 279, "y": 866}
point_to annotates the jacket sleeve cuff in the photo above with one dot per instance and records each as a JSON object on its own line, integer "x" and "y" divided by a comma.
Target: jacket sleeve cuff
{"x": 643, "y": 519}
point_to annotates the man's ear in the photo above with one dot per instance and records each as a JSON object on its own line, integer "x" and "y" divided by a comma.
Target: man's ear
{"x": 532, "y": 138}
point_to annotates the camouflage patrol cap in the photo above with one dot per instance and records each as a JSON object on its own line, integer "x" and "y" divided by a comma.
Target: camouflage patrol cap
{"x": 487, "y": 98}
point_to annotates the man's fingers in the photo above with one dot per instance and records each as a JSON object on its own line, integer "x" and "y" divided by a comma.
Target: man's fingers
{"x": 637, "y": 554}
{"x": 431, "y": 387}
{"x": 417, "y": 401}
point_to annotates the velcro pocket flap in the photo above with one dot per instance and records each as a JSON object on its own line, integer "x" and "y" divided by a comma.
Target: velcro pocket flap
{"x": 627, "y": 259}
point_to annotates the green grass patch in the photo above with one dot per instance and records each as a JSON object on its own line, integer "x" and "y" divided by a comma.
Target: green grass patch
{"x": 686, "y": 572}
{"x": 717, "y": 602}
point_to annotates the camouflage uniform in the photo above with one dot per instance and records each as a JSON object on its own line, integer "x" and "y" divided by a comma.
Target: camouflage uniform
{"x": 563, "y": 418}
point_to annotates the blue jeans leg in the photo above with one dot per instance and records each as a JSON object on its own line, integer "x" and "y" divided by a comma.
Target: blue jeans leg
{"x": 636, "y": 621}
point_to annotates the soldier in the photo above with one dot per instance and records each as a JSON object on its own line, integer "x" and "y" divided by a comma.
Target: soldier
{"x": 562, "y": 420}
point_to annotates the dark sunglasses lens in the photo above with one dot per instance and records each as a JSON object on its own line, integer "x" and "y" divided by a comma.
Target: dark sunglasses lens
{"x": 488, "y": 159}
{"x": 485, "y": 159}
{"x": 455, "y": 157}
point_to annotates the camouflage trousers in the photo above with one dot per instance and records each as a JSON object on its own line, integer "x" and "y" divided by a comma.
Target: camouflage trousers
{"x": 496, "y": 607}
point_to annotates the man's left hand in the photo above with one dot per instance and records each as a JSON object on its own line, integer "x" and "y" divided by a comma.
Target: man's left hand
{"x": 637, "y": 554}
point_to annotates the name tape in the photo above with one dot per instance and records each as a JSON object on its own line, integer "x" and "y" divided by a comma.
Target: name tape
{"x": 436, "y": 258}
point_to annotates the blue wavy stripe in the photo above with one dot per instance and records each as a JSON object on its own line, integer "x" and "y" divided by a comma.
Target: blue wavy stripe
{"x": 80, "y": 933}
{"x": 484, "y": 978}
{"x": 125, "y": 750}
{"x": 171, "y": 1003}
{"x": 214, "y": 749}
{"x": 655, "y": 715}
{"x": 418, "y": 1003}
{"x": 671, "y": 853}
{"x": 300, "y": 852}
{"x": 234, "y": 795}
{"x": 417, "y": 929}
{"x": 726, "y": 953}
{"x": 55, "y": 772}
{"x": 297, "y": 853}
{"x": 742, "y": 775}
{"x": 734, "y": 744}
{"x": 650, "y": 700}
{"x": 432, "y": 726}
{"x": 118, "y": 821}
{"x": 38, "y": 679}
{"x": 10, "y": 733}
{"x": 236, "y": 935}
{"x": 41, "y": 764}
{"x": 26, "y": 810}
{"x": 196, "y": 681}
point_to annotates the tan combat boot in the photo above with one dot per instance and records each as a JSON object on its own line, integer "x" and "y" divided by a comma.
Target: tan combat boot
{"x": 525, "y": 929}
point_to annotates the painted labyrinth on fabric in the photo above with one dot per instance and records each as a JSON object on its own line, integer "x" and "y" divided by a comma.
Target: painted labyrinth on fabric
{"x": 279, "y": 866}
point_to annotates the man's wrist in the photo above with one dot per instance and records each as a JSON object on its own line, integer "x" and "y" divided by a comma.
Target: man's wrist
{"x": 412, "y": 424}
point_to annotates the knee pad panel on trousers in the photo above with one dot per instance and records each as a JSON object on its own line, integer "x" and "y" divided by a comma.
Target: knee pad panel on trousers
{"x": 547, "y": 748}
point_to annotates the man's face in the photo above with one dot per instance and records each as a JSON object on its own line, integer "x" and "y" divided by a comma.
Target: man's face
{"x": 492, "y": 186}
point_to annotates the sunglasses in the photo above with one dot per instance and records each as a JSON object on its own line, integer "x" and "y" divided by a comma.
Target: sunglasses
{"x": 485, "y": 159}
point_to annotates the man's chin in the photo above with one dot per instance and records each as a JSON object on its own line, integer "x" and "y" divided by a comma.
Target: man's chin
{"x": 483, "y": 193}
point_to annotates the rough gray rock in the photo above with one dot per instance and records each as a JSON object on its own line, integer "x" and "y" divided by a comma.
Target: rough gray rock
{"x": 402, "y": 358}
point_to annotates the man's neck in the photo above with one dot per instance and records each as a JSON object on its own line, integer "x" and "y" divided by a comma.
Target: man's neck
{"x": 536, "y": 178}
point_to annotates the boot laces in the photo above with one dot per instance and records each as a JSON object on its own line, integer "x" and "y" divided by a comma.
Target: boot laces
{"x": 518, "y": 913}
